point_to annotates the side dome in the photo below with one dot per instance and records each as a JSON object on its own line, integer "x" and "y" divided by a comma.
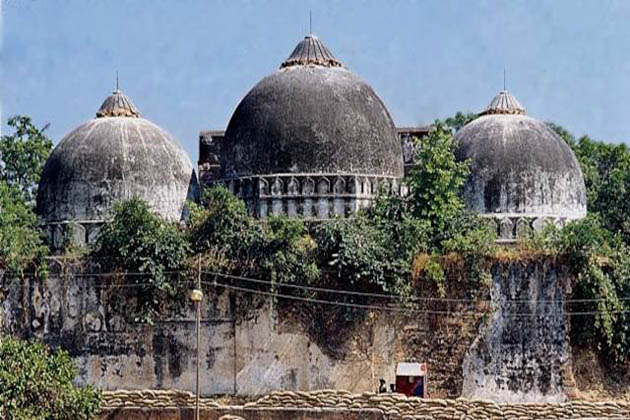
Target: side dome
{"x": 311, "y": 116}
{"x": 116, "y": 156}
{"x": 522, "y": 172}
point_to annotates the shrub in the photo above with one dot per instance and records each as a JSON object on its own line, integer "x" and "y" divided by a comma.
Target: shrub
{"x": 137, "y": 241}
{"x": 23, "y": 154}
{"x": 359, "y": 254}
{"x": 436, "y": 180}
{"x": 277, "y": 249}
{"x": 601, "y": 285}
{"x": 289, "y": 252}
{"x": 36, "y": 384}
{"x": 20, "y": 237}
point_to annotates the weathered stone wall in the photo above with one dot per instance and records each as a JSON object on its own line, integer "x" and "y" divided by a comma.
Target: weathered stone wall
{"x": 522, "y": 353}
{"x": 254, "y": 349}
{"x": 337, "y": 405}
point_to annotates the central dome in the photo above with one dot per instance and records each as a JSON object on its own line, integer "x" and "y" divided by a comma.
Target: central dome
{"x": 311, "y": 116}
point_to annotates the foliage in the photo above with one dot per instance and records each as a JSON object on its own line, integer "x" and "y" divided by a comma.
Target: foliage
{"x": 598, "y": 247}
{"x": 377, "y": 247}
{"x": 459, "y": 120}
{"x": 406, "y": 234}
{"x": 278, "y": 248}
{"x": 36, "y": 384}
{"x": 289, "y": 253}
{"x": 20, "y": 240}
{"x": 23, "y": 154}
{"x": 606, "y": 169}
{"x": 436, "y": 180}
{"x": 599, "y": 259}
{"x": 221, "y": 222}
{"x": 137, "y": 241}
{"x": 358, "y": 255}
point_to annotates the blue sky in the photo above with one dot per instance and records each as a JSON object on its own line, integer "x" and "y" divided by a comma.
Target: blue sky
{"x": 186, "y": 64}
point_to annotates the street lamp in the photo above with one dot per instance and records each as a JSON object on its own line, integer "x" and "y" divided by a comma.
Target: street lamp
{"x": 196, "y": 296}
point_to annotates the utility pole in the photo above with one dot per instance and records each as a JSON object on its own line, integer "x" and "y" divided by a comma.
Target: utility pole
{"x": 196, "y": 296}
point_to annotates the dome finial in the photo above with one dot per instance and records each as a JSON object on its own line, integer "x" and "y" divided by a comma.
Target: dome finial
{"x": 311, "y": 51}
{"x": 117, "y": 105}
{"x": 504, "y": 103}
{"x": 310, "y": 22}
{"x": 504, "y": 80}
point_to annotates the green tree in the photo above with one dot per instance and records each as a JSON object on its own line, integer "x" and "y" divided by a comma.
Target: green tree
{"x": 20, "y": 237}
{"x": 23, "y": 154}
{"x": 606, "y": 170}
{"x": 36, "y": 384}
{"x": 277, "y": 248}
{"x": 221, "y": 229}
{"x": 289, "y": 252}
{"x": 222, "y": 224}
{"x": 436, "y": 179}
{"x": 459, "y": 120}
{"x": 358, "y": 255}
{"x": 135, "y": 240}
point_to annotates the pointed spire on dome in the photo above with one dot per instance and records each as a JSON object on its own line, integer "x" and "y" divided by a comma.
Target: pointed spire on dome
{"x": 504, "y": 103}
{"x": 117, "y": 105}
{"x": 311, "y": 51}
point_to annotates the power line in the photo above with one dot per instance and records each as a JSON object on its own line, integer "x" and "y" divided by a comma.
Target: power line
{"x": 329, "y": 290}
{"x": 356, "y": 305}
{"x": 396, "y": 309}
{"x": 395, "y": 297}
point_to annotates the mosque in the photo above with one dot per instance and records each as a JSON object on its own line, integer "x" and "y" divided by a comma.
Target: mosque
{"x": 311, "y": 140}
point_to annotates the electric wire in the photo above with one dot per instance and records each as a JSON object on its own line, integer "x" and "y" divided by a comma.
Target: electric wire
{"x": 398, "y": 309}
{"x": 358, "y": 305}
{"x": 322, "y": 289}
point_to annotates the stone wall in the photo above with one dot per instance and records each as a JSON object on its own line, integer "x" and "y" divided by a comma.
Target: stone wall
{"x": 250, "y": 347}
{"x": 338, "y": 405}
{"x": 522, "y": 353}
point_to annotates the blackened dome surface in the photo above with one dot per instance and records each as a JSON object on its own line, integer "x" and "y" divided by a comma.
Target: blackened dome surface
{"x": 110, "y": 159}
{"x": 311, "y": 118}
{"x": 519, "y": 166}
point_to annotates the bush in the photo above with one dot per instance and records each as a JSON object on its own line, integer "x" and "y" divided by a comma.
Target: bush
{"x": 23, "y": 154}
{"x": 221, "y": 223}
{"x": 436, "y": 180}
{"x": 36, "y": 384}
{"x": 601, "y": 263}
{"x": 289, "y": 252}
{"x": 137, "y": 241}
{"x": 277, "y": 249}
{"x": 20, "y": 237}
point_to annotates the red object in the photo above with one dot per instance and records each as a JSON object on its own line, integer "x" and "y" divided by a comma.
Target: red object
{"x": 411, "y": 379}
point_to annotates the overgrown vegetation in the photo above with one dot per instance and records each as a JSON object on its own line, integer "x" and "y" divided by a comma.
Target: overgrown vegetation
{"x": 23, "y": 153}
{"x": 36, "y": 384}
{"x": 278, "y": 249}
{"x": 20, "y": 238}
{"x": 598, "y": 249}
{"x": 377, "y": 248}
{"x": 150, "y": 251}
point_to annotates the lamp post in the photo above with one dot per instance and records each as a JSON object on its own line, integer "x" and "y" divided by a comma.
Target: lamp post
{"x": 196, "y": 296}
